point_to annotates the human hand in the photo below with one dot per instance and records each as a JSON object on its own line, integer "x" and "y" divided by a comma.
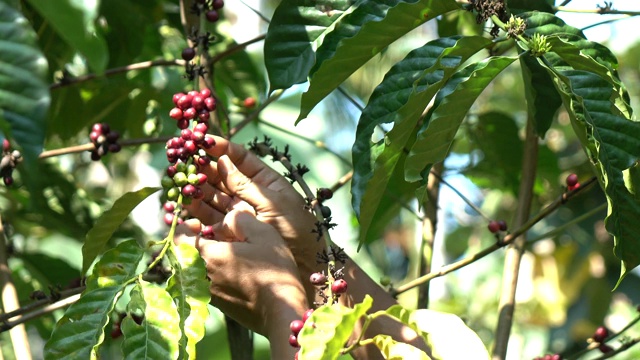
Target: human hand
{"x": 240, "y": 177}
{"x": 254, "y": 278}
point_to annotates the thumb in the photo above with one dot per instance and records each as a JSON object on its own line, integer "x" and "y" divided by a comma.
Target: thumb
{"x": 246, "y": 227}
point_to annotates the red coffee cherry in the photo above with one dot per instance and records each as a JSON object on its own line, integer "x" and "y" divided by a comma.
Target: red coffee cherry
{"x": 296, "y": 326}
{"x": 307, "y": 314}
{"x": 493, "y": 226}
{"x": 293, "y": 341}
{"x": 318, "y": 278}
{"x": 600, "y": 334}
{"x": 572, "y": 180}
{"x": 339, "y": 286}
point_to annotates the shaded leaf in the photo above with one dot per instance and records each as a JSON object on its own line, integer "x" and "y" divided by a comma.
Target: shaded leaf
{"x": 295, "y": 32}
{"x": 611, "y": 142}
{"x": 401, "y": 98}
{"x": 158, "y": 336}
{"x": 517, "y": 6}
{"x": 74, "y": 21}
{"x": 80, "y": 331}
{"x": 434, "y": 141}
{"x": 189, "y": 287}
{"x": 24, "y": 94}
{"x": 542, "y": 97}
{"x": 48, "y": 269}
{"x": 332, "y": 327}
{"x": 361, "y": 35}
{"x": 109, "y": 222}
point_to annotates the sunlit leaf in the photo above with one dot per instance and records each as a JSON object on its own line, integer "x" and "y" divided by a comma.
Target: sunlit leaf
{"x": 361, "y": 35}
{"x": 158, "y": 335}
{"x": 189, "y": 287}
{"x": 332, "y": 327}
{"x": 394, "y": 350}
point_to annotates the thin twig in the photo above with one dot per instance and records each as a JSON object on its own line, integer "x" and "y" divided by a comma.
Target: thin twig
{"x": 601, "y": 11}
{"x": 9, "y": 297}
{"x": 39, "y": 312}
{"x": 234, "y": 49}
{"x": 63, "y": 294}
{"x": 464, "y": 198}
{"x": 605, "y": 22}
{"x": 91, "y": 146}
{"x": 508, "y": 239}
{"x": 137, "y": 66}
{"x": 574, "y": 221}
{"x": 515, "y": 251}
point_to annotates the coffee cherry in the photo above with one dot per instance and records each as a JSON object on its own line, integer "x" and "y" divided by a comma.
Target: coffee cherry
{"x": 217, "y": 4}
{"x": 202, "y": 178}
{"x": 571, "y": 188}
{"x": 205, "y": 93}
{"x": 168, "y": 218}
{"x": 189, "y": 113}
{"x": 116, "y": 331}
{"x": 175, "y": 113}
{"x": 600, "y": 334}
{"x": 197, "y": 137}
{"x": 93, "y": 136}
{"x": 204, "y": 115}
{"x": 201, "y": 127}
{"x": 318, "y": 278}
{"x": 212, "y": 16}
{"x": 198, "y": 102}
{"x": 604, "y": 348}
{"x": 293, "y": 341}
{"x": 210, "y": 103}
{"x": 114, "y": 148}
{"x": 183, "y": 124}
{"x": 177, "y": 97}
{"x": 173, "y": 193}
{"x": 6, "y": 145}
{"x": 97, "y": 127}
{"x": 207, "y": 232}
{"x": 326, "y": 211}
{"x": 324, "y": 194}
{"x": 188, "y": 53}
{"x": 171, "y": 171}
{"x": 188, "y": 190}
{"x": 249, "y": 102}
{"x": 339, "y": 286}
{"x": 203, "y": 161}
{"x": 493, "y": 226}
{"x": 572, "y": 180}
{"x": 307, "y": 315}
{"x": 180, "y": 179}
{"x": 209, "y": 142}
{"x": 503, "y": 225}
{"x": 169, "y": 206}
{"x": 167, "y": 182}
{"x": 185, "y": 102}
{"x": 296, "y": 326}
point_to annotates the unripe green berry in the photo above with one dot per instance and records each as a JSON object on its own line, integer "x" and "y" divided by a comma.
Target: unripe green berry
{"x": 180, "y": 179}
{"x": 193, "y": 179}
{"x": 181, "y": 167}
{"x": 166, "y": 182}
{"x": 173, "y": 193}
{"x": 192, "y": 169}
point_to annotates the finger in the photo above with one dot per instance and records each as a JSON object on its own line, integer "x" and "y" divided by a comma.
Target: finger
{"x": 255, "y": 192}
{"x": 245, "y": 227}
{"x": 188, "y": 233}
{"x": 249, "y": 164}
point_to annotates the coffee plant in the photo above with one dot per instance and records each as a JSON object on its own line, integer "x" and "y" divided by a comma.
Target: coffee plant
{"x": 491, "y": 144}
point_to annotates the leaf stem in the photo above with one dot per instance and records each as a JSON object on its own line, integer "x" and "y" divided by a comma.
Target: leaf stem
{"x": 91, "y": 146}
{"x": 601, "y": 11}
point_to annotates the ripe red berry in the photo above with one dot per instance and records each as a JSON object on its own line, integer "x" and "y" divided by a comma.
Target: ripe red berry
{"x": 604, "y": 348}
{"x": 318, "y": 278}
{"x": 183, "y": 124}
{"x": 249, "y": 102}
{"x": 175, "y": 113}
{"x": 573, "y": 187}
{"x": 218, "y": 4}
{"x": 207, "y": 232}
{"x": 93, "y": 136}
{"x": 209, "y": 142}
{"x": 210, "y": 103}
{"x": 186, "y": 134}
{"x": 168, "y": 218}
{"x": 6, "y": 145}
{"x": 188, "y": 53}
{"x": 293, "y": 341}
{"x": 189, "y": 113}
{"x": 296, "y": 326}
{"x": 339, "y": 286}
{"x": 188, "y": 190}
{"x": 201, "y": 127}
{"x": 198, "y": 137}
{"x": 325, "y": 194}
{"x": 185, "y": 101}
{"x": 572, "y": 180}
{"x": 307, "y": 315}
{"x": 198, "y": 102}
{"x": 202, "y": 178}
{"x": 177, "y": 97}
{"x": 97, "y": 127}
{"x": 203, "y": 161}
{"x": 169, "y": 206}
{"x": 212, "y": 16}
{"x": 493, "y": 226}
{"x": 503, "y": 225}
{"x": 600, "y": 334}
{"x": 205, "y": 93}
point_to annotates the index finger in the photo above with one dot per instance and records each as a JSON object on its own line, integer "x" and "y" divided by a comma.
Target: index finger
{"x": 246, "y": 161}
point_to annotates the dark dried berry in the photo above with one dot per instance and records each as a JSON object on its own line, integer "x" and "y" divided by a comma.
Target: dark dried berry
{"x": 188, "y": 53}
{"x": 217, "y": 4}
{"x": 326, "y": 211}
{"x": 604, "y": 348}
{"x": 212, "y": 16}
{"x": 503, "y": 225}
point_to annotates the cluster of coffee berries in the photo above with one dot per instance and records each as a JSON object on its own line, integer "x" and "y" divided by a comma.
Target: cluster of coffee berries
{"x": 497, "y": 225}
{"x": 210, "y": 8}
{"x": 104, "y": 139}
{"x": 10, "y": 159}
{"x": 183, "y": 178}
{"x": 599, "y": 336}
{"x": 169, "y": 208}
{"x": 323, "y": 194}
{"x": 572, "y": 182}
{"x": 295, "y": 327}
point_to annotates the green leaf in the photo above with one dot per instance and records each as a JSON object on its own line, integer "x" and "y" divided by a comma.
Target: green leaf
{"x": 80, "y": 331}
{"x": 332, "y": 327}
{"x": 24, "y": 94}
{"x": 393, "y": 350}
{"x": 362, "y": 34}
{"x": 157, "y": 337}
{"x": 542, "y": 97}
{"x": 109, "y": 222}
{"x": 547, "y": 24}
{"x": 517, "y": 6}
{"x": 74, "y": 21}
{"x": 496, "y": 135}
{"x": 434, "y": 141}
{"x": 189, "y": 287}
{"x": 611, "y": 142}
{"x": 49, "y": 270}
{"x": 296, "y": 30}
{"x": 445, "y": 333}
{"x": 401, "y": 98}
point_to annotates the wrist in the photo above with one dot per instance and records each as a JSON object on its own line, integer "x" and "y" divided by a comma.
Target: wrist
{"x": 278, "y": 315}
